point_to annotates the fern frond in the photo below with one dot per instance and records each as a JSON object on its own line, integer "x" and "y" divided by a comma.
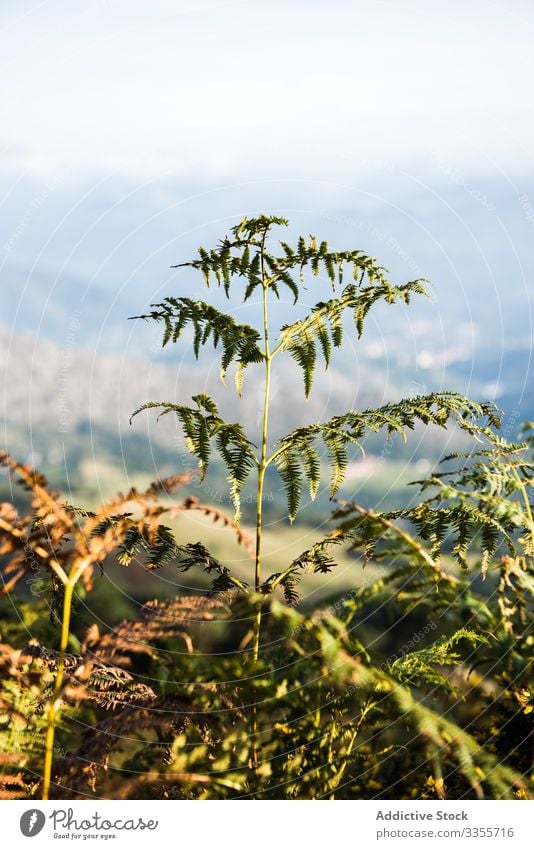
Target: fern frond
{"x": 197, "y": 555}
{"x": 203, "y": 424}
{"x": 341, "y": 431}
{"x": 315, "y": 559}
{"x": 311, "y": 462}
{"x": 323, "y": 327}
{"x": 288, "y": 465}
{"x": 238, "y": 255}
{"x": 419, "y": 667}
{"x": 239, "y": 342}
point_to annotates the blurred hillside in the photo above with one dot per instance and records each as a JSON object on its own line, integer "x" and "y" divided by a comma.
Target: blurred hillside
{"x": 77, "y": 263}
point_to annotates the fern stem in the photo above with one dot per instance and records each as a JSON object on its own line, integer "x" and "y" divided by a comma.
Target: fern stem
{"x": 55, "y": 705}
{"x": 523, "y": 490}
{"x": 38, "y": 549}
{"x": 263, "y": 457}
{"x": 408, "y": 539}
{"x": 259, "y": 495}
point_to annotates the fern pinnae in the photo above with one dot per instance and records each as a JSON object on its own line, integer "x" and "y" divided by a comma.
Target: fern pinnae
{"x": 289, "y": 469}
{"x": 204, "y": 424}
{"x": 338, "y": 458}
{"x": 239, "y": 342}
{"x": 311, "y": 462}
{"x": 238, "y": 379}
{"x": 301, "y": 337}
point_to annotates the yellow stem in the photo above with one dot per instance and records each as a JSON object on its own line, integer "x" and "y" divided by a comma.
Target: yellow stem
{"x": 408, "y": 539}
{"x": 55, "y": 705}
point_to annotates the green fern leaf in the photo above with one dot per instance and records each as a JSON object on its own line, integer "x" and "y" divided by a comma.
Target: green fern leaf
{"x": 288, "y": 466}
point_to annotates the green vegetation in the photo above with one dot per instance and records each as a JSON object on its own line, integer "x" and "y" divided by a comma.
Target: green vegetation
{"x": 413, "y": 684}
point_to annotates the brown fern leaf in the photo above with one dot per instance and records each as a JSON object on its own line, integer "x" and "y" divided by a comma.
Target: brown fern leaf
{"x": 92, "y": 680}
{"x": 158, "y": 620}
{"x": 35, "y": 543}
{"x": 82, "y": 767}
{"x": 12, "y": 784}
{"x": 168, "y": 486}
{"x": 49, "y": 511}
{"x": 219, "y": 516}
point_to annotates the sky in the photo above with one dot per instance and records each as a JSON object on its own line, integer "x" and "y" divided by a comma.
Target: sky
{"x": 210, "y": 90}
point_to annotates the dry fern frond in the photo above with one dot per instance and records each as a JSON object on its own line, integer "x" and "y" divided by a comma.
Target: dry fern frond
{"x": 12, "y": 784}
{"x": 218, "y": 516}
{"x": 156, "y": 620}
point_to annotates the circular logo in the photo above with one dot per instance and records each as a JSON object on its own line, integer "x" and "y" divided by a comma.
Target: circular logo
{"x": 32, "y": 822}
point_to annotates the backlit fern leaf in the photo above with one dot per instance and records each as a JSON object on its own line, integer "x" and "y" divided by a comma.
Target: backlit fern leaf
{"x": 318, "y": 558}
{"x": 482, "y": 505}
{"x": 288, "y": 465}
{"x": 156, "y": 545}
{"x": 239, "y": 342}
{"x": 338, "y": 458}
{"x": 203, "y": 424}
{"x": 341, "y": 431}
{"x": 289, "y": 585}
{"x": 324, "y": 326}
{"x": 419, "y": 667}
{"x": 311, "y": 462}
{"x": 197, "y": 555}
{"x": 237, "y": 255}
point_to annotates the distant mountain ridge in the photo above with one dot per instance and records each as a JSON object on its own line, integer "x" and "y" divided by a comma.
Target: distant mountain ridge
{"x": 106, "y": 250}
{"x": 78, "y": 261}
{"x": 52, "y": 390}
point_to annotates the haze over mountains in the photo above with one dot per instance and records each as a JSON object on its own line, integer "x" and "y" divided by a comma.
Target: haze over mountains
{"x": 107, "y": 248}
{"x": 77, "y": 261}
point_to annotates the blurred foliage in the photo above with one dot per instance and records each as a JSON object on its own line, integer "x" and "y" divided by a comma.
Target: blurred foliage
{"x": 416, "y": 684}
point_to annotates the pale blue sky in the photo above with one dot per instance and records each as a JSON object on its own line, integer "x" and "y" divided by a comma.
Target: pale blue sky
{"x": 210, "y": 90}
